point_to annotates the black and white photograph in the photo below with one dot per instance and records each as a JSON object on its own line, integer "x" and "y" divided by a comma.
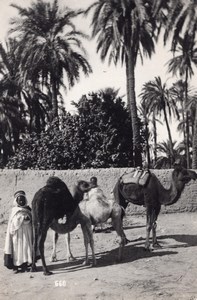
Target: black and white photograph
{"x": 98, "y": 149}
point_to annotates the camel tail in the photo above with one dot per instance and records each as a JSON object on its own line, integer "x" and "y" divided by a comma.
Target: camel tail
{"x": 118, "y": 196}
{"x": 123, "y": 212}
{"x": 38, "y": 208}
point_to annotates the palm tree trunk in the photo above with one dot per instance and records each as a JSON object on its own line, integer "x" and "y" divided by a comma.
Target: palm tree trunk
{"x": 194, "y": 143}
{"x": 137, "y": 149}
{"x": 154, "y": 138}
{"x": 170, "y": 137}
{"x": 187, "y": 121}
{"x": 130, "y": 67}
{"x": 147, "y": 151}
{"x": 54, "y": 98}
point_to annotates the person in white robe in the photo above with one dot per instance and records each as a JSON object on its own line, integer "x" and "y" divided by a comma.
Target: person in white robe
{"x": 18, "y": 242}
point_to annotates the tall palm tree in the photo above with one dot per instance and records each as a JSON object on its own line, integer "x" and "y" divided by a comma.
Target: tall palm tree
{"x": 181, "y": 20}
{"x": 52, "y": 47}
{"x": 192, "y": 105}
{"x": 12, "y": 108}
{"x": 38, "y": 107}
{"x": 183, "y": 64}
{"x": 155, "y": 96}
{"x": 144, "y": 114}
{"x": 149, "y": 115}
{"x": 124, "y": 29}
{"x": 164, "y": 159}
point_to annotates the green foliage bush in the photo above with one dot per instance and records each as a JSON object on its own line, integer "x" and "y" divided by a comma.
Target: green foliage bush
{"x": 99, "y": 135}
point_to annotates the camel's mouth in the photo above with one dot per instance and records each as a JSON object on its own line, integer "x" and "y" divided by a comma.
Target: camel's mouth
{"x": 191, "y": 175}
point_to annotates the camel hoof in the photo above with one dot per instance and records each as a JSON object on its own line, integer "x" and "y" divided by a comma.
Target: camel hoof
{"x": 33, "y": 269}
{"x": 157, "y": 246}
{"x": 148, "y": 249}
{"x": 93, "y": 264}
{"x": 53, "y": 259}
{"x": 127, "y": 241}
{"x": 47, "y": 273}
{"x": 86, "y": 263}
{"x": 71, "y": 258}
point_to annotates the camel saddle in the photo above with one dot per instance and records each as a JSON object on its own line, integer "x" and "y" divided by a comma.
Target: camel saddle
{"x": 137, "y": 176}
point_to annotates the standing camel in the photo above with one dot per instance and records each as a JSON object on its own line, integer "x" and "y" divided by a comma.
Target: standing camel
{"x": 52, "y": 202}
{"x": 98, "y": 209}
{"x": 152, "y": 196}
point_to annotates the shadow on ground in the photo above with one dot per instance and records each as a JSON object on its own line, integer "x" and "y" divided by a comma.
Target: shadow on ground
{"x": 187, "y": 240}
{"x": 107, "y": 258}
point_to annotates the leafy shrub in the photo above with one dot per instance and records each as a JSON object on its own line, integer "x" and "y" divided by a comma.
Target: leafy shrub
{"x": 99, "y": 135}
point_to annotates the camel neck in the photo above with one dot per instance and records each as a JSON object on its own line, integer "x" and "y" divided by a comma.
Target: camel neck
{"x": 171, "y": 195}
{"x": 78, "y": 195}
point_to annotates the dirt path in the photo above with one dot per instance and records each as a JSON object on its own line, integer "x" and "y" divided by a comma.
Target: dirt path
{"x": 167, "y": 273}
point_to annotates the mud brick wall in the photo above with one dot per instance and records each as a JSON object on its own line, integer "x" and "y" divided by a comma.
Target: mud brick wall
{"x": 32, "y": 180}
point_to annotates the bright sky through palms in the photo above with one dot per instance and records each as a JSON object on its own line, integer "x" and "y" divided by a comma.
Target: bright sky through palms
{"x": 103, "y": 75}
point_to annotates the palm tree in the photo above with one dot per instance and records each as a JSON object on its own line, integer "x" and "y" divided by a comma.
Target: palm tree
{"x": 149, "y": 117}
{"x": 156, "y": 97}
{"x": 181, "y": 20}
{"x": 192, "y": 106}
{"x": 183, "y": 64}
{"x": 11, "y": 106}
{"x": 164, "y": 160}
{"x": 124, "y": 29}
{"x": 52, "y": 48}
{"x": 144, "y": 114}
{"x": 177, "y": 96}
{"x": 38, "y": 107}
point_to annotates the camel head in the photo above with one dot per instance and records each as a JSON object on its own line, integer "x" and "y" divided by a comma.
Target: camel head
{"x": 80, "y": 189}
{"x": 83, "y": 186}
{"x": 182, "y": 176}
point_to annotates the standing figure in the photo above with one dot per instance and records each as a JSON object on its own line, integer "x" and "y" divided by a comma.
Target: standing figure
{"x": 18, "y": 243}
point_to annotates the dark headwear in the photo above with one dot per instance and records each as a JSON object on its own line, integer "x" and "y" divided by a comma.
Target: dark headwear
{"x": 19, "y": 193}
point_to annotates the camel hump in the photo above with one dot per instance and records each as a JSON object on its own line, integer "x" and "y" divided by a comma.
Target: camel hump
{"x": 55, "y": 183}
{"x": 136, "y": 176}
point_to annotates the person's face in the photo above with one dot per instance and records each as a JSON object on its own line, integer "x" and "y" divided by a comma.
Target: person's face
{"x": 21, "y": 200}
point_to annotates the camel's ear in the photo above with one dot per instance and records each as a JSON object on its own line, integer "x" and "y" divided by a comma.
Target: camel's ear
{"x": 177, "y": 163}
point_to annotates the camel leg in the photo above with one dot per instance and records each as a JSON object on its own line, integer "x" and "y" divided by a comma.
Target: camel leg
{"x": 88, "y": 238}
{"x": 149, "y": 225}
{"x": 155, "y": 242}
{"x": 85, "y": 236}
{"x": 41, "y": 248}
{"x": 91, "y": 241}
{"x": 69, "y": 256}
{"x": 117, "y": 224}
{"x": 35, "y": 247}
{"x": 55, "y": 239}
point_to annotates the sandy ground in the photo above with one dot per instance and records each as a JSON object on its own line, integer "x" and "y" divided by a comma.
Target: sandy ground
{"x": 167, "y": 273}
